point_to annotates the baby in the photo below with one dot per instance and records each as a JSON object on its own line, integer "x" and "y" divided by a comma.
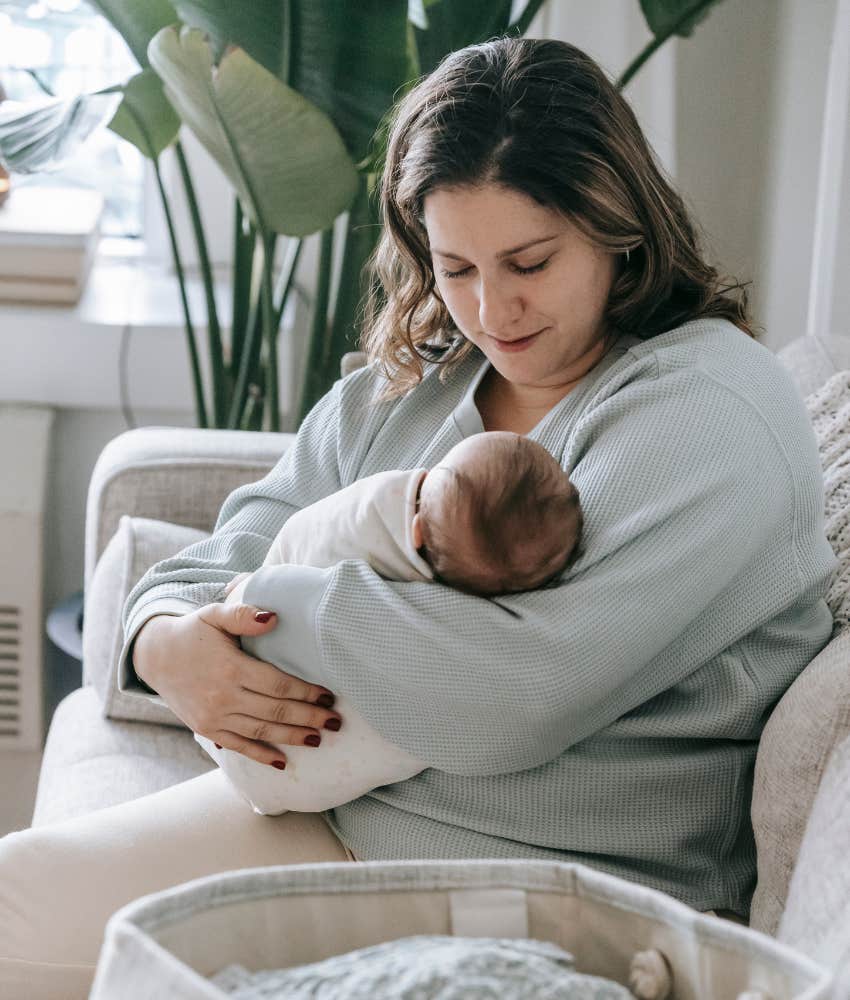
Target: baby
{"x": 498, "y": 515}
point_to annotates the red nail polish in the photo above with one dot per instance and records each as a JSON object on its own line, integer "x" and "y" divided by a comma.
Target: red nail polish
{"x": 218, "y": 746}
{"x": 312, "y": 740}
{"x": 263, "y": 616}
{"x": 333, "y": 725}
{"x": 279, "y": 764}
{"x": 325, "y": 700}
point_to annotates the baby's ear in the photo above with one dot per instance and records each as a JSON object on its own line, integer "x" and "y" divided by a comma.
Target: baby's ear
{"x": 416, "y": 528}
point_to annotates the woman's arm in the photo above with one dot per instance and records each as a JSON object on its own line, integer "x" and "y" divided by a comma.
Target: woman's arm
{"x": 689, "y": 511}
{"x": 183, "y": 645}
{"x": 200, "y": 573}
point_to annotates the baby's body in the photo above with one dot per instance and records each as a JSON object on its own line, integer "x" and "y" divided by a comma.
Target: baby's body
{"x": 497, "y": 515}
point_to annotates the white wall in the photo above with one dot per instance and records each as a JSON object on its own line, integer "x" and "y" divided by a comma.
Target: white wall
{"x": 613, "y": 33}
{"x": 734, "y": 112}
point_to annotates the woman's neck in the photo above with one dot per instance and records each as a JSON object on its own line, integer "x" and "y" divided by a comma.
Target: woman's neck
{"x": 508, "y": 406}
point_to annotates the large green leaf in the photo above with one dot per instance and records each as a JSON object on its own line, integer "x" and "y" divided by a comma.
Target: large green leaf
{"x": 145, "y": 116}
{"x": 682, "y": 16}
{"x": 137, "y": 21}
{"x": 38, "y": 135}
{"x": 286, "y": 160}
{"x": 350, "y": 63}
{"x": 453, "y": 25}
{"x": 258, "y": 27}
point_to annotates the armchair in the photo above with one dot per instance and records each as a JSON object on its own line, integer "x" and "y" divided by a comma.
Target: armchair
{"x": 155, "y": 489}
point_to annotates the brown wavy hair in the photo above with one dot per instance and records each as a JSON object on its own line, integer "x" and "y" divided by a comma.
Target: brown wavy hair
{"x": 539, "y": 117}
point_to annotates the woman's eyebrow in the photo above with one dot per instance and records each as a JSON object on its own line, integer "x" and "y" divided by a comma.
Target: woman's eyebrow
{"x": 502, "y": 253}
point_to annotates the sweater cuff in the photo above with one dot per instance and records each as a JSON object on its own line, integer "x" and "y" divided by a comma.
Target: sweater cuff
{"x": 294, "y": 594}
{"x": 129, "y": 681}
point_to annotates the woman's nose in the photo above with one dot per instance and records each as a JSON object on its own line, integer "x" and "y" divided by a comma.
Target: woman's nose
{"x": 499, "y": 307}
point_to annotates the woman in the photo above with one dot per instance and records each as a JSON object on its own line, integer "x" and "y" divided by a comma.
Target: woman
{"x": 539, "y": 276}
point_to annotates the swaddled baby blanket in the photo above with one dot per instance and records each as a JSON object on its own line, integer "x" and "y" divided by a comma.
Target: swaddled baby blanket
{"x": 429, "y": 967}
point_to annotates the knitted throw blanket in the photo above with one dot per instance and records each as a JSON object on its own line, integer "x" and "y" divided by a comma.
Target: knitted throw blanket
{"x": 429, "y": 967}
{"x": 829, "y": 411}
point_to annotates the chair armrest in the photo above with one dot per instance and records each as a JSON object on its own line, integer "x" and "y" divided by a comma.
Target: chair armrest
{"x": 179, "y": 475}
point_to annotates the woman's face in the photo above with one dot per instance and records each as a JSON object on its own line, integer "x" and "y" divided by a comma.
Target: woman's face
{"x": 520, "y": 282}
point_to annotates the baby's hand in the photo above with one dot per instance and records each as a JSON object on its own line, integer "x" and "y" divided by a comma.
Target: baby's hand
{"x": 236, "y": 588}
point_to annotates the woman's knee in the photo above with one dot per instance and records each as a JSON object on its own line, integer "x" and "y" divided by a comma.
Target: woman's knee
{"x": 31, "y": 902}
{"x": 40, "y": 953}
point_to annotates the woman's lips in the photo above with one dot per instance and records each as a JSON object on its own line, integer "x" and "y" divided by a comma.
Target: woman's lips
{"x": 516, "y": 345}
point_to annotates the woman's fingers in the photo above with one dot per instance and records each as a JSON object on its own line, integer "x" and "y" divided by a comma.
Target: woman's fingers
{"x": 270, "y": 734}
{"x": 238, "y": 619}
{"x": 276, "y": 721}
{"x": 263, "y": 678}
{"x": 260, "y": 752}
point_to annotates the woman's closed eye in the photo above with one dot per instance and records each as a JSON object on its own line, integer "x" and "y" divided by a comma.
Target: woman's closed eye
{"x": 516, "y": 268}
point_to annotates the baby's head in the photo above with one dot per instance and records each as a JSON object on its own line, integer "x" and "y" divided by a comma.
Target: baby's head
{"x": 497, "y": 515}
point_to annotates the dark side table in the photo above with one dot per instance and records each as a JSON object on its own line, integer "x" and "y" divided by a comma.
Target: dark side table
{"x": 64, "y": 653}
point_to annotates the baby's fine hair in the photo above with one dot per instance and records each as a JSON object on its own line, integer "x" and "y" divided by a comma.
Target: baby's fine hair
{"x": 521, "y": 515}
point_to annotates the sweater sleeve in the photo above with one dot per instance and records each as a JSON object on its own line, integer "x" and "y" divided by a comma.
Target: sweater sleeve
{"x": 247, "y": 524}
{"x": 684, "y": 487}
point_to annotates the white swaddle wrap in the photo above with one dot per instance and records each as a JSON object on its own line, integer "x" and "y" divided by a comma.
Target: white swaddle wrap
{"x": 370, "y": 520}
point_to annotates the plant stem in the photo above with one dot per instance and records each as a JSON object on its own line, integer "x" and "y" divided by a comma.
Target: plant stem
{"x": 659, "y": 40}
{"x": 312, "y": 380}
{"x": 250, "y": 353}
{"x": 200, "y": 405}
{"x": 286, "y": 277}
{"x": 213, "y": 329}
{"x": 270, "y": 332}
{"x": 361, "y": 235}
{"x": 197, "y": 382}
{"x": 243, "y": 256}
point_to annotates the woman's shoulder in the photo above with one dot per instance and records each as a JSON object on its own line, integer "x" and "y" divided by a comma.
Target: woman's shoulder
{"x": 715, "y": 347}
{"x": 712, "y": 356}
{"x": 708, "y": 378}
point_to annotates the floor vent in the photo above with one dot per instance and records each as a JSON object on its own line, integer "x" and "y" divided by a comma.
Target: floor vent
{"x": 24, "y": 442}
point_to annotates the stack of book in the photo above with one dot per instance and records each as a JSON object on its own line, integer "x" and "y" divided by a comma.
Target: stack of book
{"x": 48, "y": 239}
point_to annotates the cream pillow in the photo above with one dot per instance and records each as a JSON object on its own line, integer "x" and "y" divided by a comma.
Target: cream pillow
{"x": 817, "y": 918}
{"x": 138, "y": 543}
{"x": 810, "y": 719}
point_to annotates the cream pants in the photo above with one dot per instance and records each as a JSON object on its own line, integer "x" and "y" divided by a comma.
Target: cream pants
{"x": 60, "y": 883}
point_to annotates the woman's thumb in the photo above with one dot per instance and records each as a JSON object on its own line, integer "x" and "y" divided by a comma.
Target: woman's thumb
{"x": 240, "y": 619}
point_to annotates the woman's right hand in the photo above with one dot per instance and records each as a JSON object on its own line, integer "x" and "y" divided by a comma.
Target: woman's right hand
{"x": 195, "y": 663}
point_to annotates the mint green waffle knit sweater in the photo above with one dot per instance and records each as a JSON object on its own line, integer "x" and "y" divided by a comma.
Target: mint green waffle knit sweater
{"x": 611, "y": 719}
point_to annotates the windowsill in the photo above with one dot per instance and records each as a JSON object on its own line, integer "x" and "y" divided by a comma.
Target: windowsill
{"x": 69, "y": 356}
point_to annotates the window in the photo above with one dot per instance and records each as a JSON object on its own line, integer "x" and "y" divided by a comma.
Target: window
{"x": 64, "y": 47}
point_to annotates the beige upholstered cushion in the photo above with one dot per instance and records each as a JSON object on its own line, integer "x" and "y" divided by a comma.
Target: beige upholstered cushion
{"x": 817, "y": 918}
{"x": 91, "y": 763}
{"x": 138, "y": 543}
{"x": 811, "y": 718}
